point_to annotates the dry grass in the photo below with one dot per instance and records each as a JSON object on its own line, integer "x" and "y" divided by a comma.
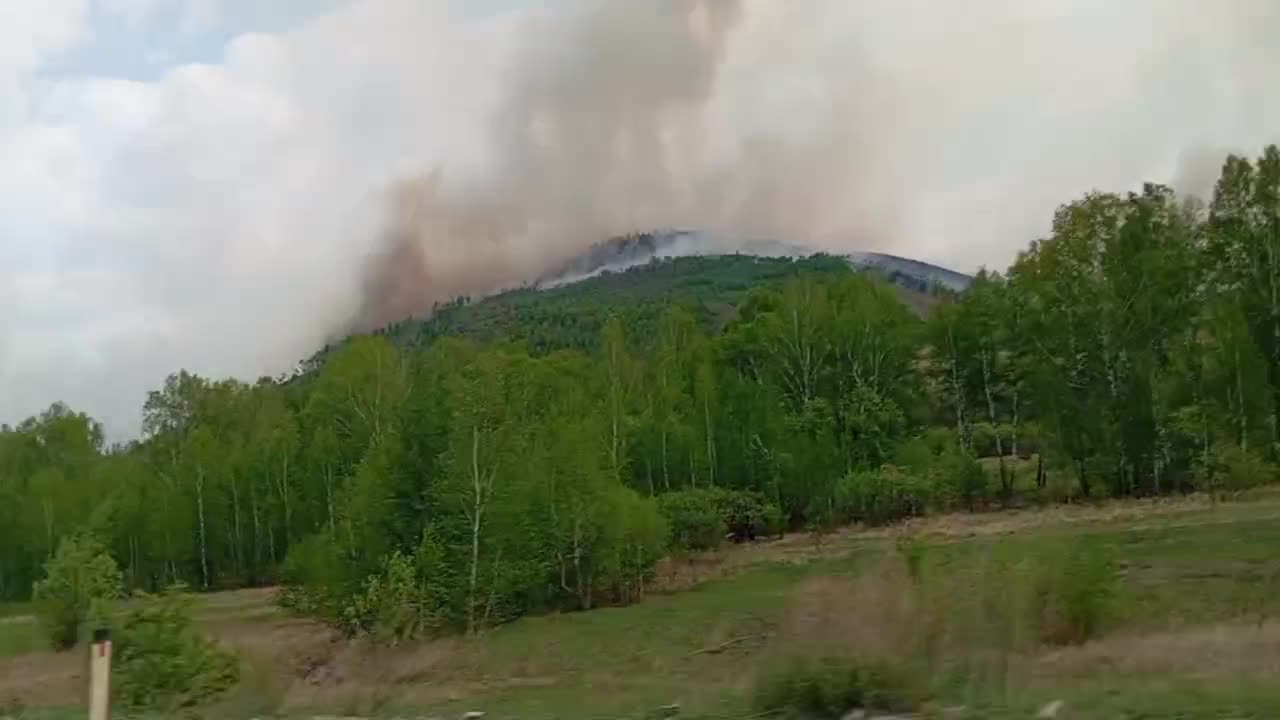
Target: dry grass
{"x": 1223, "y": 651}
{"x": 874, "y": 616}
{"x": 675, "y": 574}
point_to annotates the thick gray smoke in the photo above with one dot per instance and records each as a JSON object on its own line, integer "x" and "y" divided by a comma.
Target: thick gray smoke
{"x": 834, "y": 125}
{"x": 608, "y": 128}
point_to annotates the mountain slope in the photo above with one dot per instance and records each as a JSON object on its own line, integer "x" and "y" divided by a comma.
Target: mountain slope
{"x": 637, "y": 277}
{"x": 571, "y": 314}
{"x": 629, "y": 251}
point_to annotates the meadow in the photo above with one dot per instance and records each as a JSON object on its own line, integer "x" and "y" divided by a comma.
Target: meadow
{"x": 1187, "y": 629}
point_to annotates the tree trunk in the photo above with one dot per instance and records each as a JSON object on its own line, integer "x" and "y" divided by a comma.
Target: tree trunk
{"x": 46, "y": 507}
{"x": 257, "y": 529}
{"x": 711, "y": 443}
{"x": 957, "y": 390}
{"x": 615, "y": 408}
{"x": 284, "y": 496}
{"x": 235, "y": 525}
{"x": 328, "y": 489}
{"x": 584, "y": 595}
{"x": 476, "y": 511}
{"x": 204, "y": 556}
{"x": 1006, "y": 485}
{"x": 1274, "y": 283}
{"x": 666, "y": 479}
{"x": 1243, "y": 414}
{"x": 1013, "y": 439}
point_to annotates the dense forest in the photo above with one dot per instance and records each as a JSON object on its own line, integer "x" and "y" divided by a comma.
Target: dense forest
{"x": 543, "y": 449}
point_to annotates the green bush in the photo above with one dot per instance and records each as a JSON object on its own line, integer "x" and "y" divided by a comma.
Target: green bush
{"x": 748, "y": 515}
{"x": 775, "y": 523}
{"x": 316, "y": 579}
{"x": 961, "y": 478}
{"x": 882, "y": 496}
{"x": 1076, "y": 591}
{"x": 80, "y": 582}
{"x": 163, "y": 663}
{"x": 394, "y": 605}
{"x": 700, "y": 519}
{"x": 830, "y": 687}
{"x": 1237, "y": 470}
{"x": 694, "y": 519}
{"x": 631, "y": 540}
{"x": 951, "y": 476}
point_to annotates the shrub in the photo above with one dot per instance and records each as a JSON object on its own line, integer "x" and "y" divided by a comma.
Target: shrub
{"x": 882, "y": 496}
{"x": 829, "y": 687}
{"x": 747, "y": 514}
{"x": 394, "y": 605}
{"x": 1076, "y": 591}
{"x": 632, "y": 539}
{"x": 775, "y": 524}
{"x": 700, "y": 519}
{"x": 961, "y": 478}
{"x": 80, "y": 581}
{"x": 315, "y": 579}
{"x": 694, "y": 519}
{"x": 952, "y": 475}
{"x": 1237, "y": 469}
{"x": 164, "y": 663}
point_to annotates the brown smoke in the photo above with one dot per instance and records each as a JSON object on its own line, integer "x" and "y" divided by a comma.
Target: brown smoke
{"x": 606, "y": 109}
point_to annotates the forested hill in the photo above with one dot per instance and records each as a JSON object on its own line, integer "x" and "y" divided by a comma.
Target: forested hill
{"x": 570, "y": 312}
{"x": 572, "y": 315}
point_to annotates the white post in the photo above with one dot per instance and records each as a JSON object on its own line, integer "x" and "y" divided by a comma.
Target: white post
{"x": 100, "y": 675}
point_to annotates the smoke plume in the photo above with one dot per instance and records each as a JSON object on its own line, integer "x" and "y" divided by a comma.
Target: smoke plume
{"x": 226, "y": 202}
{"x": 607, "y": 128}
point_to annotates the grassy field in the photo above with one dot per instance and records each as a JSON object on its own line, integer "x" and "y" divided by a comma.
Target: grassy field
{"x": 1188, "y": 633}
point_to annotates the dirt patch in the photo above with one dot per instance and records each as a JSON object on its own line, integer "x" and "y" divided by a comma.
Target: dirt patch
{"x": 874, "y": 615}
{"x": 362, "y": 678}
{"x": 1214, "y": 652}
{"x": 43, "y": 679}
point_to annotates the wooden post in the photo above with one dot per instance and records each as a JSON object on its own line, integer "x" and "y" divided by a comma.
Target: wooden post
{"x": 100, "y": 675}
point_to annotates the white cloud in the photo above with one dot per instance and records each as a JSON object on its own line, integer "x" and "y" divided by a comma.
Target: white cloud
{"x": 215, "y": 218}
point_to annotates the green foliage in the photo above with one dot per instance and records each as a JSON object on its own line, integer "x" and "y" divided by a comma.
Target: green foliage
{"x": 954, "y": 476}
{"x": 695, "y": 519}
{"x": 80, "y": 582}
{"x": 1075, "y": 591}
{"x": 962, "y": 479}
{"x": 882, "y": 496}
{"x": 748, "y": 515}
{"x": 1240, "y": 469}
{"x": 316, "y": 578}
{"x": 700, "y": 519}
{"x": 162, "y": 662}
{"x": 393, "y": 605}
{"x": 830, "y": 687}
{"x": 540, "y": 449}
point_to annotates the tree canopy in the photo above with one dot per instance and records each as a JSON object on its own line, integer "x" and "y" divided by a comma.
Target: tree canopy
{"x": 509, "y": 455}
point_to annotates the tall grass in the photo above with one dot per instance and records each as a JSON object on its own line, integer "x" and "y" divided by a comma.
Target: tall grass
{"x": 929, "y": 619}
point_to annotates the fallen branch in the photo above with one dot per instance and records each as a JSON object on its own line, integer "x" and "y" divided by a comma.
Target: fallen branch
{"x": 724, "y": 645}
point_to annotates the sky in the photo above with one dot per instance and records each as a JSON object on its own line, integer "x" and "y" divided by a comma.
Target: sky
{"x": 202, "y": 184}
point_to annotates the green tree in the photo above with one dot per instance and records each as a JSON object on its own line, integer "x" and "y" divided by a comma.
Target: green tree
{"x": 80, "y": 580}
